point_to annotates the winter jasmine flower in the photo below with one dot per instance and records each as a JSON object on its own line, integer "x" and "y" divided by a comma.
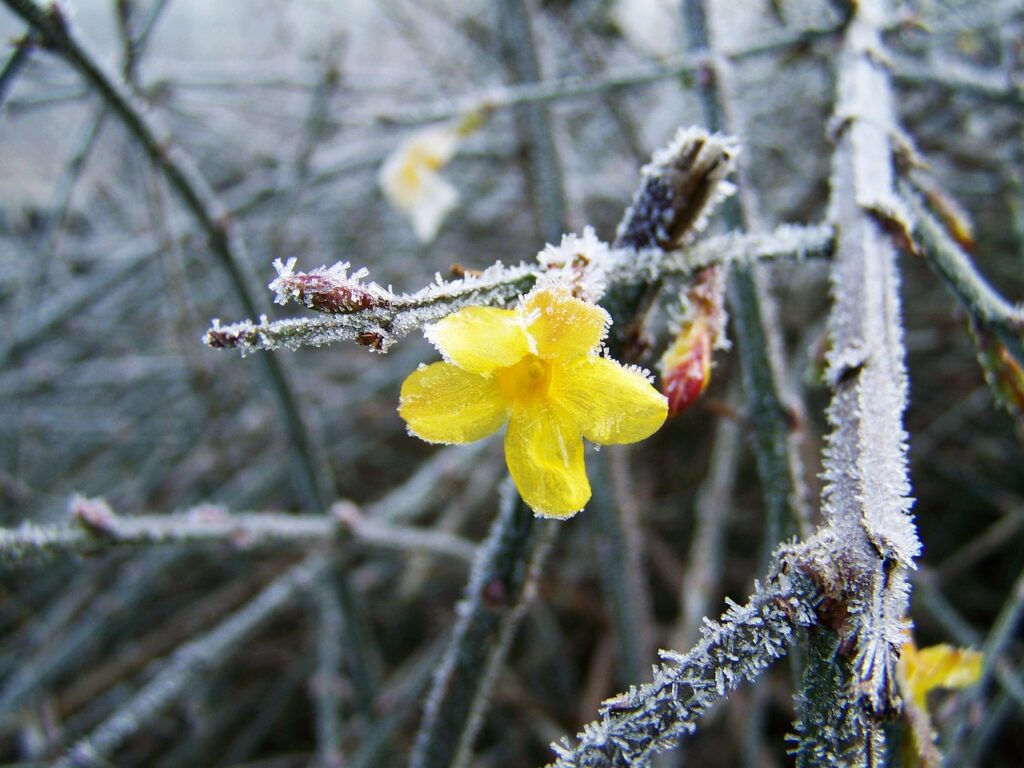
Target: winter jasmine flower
{"x": 938, "y": 666}
{"x": 411, "y": 179}
{"x": 537, "y": 368}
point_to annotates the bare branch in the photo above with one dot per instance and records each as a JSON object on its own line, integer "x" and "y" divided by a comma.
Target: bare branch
{"x": 873, "y": 540}
{"x": 496, "y": 596}
{"x": 98, "y": 528}
{"x": 654, "y": 717}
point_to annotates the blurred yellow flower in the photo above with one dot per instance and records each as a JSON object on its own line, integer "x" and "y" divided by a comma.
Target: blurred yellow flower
{"x": 412, "y": 183}
{"x": 938, "y": 666}
{"x": 536, "y": 367}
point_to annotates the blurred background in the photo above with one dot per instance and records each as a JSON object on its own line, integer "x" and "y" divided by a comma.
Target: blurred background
{"x": 288, "y": 110}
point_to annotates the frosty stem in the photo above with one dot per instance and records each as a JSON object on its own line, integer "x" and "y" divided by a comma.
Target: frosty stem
{"x": 492, "y": 608}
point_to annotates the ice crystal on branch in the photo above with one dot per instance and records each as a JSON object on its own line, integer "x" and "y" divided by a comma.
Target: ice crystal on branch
{"x": 652, "y": 718}
{"x": 327, "y": 289}
{"x": 579, "y": 262}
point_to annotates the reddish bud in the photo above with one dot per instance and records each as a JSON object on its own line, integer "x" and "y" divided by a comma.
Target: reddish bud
{"x": 327, "y": 289}
{"x": 686, "y": 367}
{"x": 1002, "y": 371}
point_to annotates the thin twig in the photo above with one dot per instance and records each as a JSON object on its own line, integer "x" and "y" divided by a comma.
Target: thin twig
{"x": 990, "y": 85}
{"x": 14, "y": 65}
{"x": 327, "y": 683}
{"x": 979, "y": 298}
{"x": 544, "y": 168}
{"x": 700, "y": 582}
{"x": 376, "y": 318}
{"x": 45, "y": 666}
{"x": 207, "y": 524}
{"x": 621, "y": 574}
{"x": 505, "y": 97}
{"x": 928, "y": 595}
{"x": 1004, "y": 632}
{"x": 175, "y": 676}
{"x": 186, "y": 180}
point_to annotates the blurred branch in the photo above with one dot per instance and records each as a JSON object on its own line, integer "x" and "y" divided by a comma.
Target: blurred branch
{"x": 544, "y": 171}
{"x": 131, "y": 589}
{"x": 983, "y": 302}
{"x": 654, "y": 717}
{"x": 701, "y": 580}
{"x": 615, "y": 545}
{"x": 54, "y": 34}
{"x": 377, "y": 318}
{"x": 987, "y": 84}
{"x": 99, "y": 528}
{"x": 15, "y": 64}
{"x": 1001, "y": 636}
{"x": 509, "y": 96}
{"x": 492, "y": 608}
{"x": 757, "y": 336}
{"x": 326, "y": 686}
{"x": 176, "y": 675}
{"x": 928, "y": 594}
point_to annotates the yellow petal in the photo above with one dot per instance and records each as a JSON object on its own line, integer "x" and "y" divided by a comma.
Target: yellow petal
{"x": 544, "y": 452}
{"x": 444, "y": 404}
{"x": 938, "y": 666}
{"x": 607, "y": 402}
{"x": 562, "y": 325}
{"x": 480, "y": 339}
{"x": 410, "y": 180}
{"x": 428, "y": 209}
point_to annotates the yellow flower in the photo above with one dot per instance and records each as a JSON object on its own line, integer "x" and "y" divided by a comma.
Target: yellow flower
{"x": 536, "y": 367}
{"x": 938, "y": 666}
{"x": 412, "y": 183}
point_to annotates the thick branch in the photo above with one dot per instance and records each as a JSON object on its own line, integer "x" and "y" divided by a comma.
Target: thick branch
{"x": 866, "y": 503}
{"x": 52, "y": 30}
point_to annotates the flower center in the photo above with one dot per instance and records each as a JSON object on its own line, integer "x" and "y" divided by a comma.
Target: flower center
{"x": 529, "y": 379}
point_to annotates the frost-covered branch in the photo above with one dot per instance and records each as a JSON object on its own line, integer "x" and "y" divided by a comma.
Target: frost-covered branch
{"x": 504, "y": 97}
{"x": 96, "y": 527}
{"x": 54, "y": 34}
{"x": 492, "y": 608}
{"x": 869, "y": 531}
{"x": 188, "y": 663}
{"x": 654, "y": 717}
{"x": 352, "y": 309}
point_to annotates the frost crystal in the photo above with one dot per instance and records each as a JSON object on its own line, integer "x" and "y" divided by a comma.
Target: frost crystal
{"x": 581, "y": 263}
{"x": 327, "y": 289}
